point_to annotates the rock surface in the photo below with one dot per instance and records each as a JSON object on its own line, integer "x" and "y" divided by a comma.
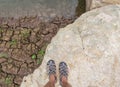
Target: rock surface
{"x": 44, "y": 8}
{"x": 91, "y": 48}
{"x": 92, "y": 4}
{"x": 88, "y": 4}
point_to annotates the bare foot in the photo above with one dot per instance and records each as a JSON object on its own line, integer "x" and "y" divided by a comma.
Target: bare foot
{"x": 63, "y": 70}
{"x": 51, "y": 70}
{"x": 64, "y": 79}
{"x": 52, "y": 78}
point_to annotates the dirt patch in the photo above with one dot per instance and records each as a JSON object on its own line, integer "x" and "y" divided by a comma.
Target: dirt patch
{"x": 23, "y": 43}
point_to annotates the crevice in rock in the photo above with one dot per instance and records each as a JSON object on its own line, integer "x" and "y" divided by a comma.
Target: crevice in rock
{"x": 81, "y": 38}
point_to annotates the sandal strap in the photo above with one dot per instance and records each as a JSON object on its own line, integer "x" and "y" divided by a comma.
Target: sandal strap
{"x": 63, "y": 70}
{"x": 51, "y": 67}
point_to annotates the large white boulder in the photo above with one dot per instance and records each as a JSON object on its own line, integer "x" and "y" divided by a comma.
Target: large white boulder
{"x": 91, "y": 48}
{"x": 92, "y": 4}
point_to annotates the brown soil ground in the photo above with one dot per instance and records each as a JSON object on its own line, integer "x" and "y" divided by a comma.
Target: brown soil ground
{"x": 23, "y": 43}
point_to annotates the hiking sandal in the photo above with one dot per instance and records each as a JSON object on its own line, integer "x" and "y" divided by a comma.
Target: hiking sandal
{"x": 63, "y": 70}
{"x": 51, "y": 68}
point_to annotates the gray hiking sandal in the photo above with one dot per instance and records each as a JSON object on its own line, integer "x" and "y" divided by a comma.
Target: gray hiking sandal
{"x": 51, "y": 68}
{"x": 63, "y": 70}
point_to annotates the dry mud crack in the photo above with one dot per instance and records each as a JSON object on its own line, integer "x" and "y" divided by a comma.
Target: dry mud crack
{"x": 22, "y": 46}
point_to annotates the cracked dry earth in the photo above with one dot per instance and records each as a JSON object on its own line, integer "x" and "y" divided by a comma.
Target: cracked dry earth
{"x": 22, "y": 46}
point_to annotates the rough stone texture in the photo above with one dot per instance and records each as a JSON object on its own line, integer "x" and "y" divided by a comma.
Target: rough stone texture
{"x": 91, "y": 48}
{"x": 92, "y": 4}
{"x": 88, "y": 4}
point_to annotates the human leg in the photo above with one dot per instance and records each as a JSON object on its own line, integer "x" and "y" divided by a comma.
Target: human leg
{"x": 51, "y": 82}
{"x": 51, "y": 69}
{"x": 63, "y": 70}
{"x": 65, "y": 82}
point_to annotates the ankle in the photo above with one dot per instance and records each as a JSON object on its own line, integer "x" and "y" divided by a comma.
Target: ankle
{"x": 64, "y": 79}
{"x": 52, "y": 78}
